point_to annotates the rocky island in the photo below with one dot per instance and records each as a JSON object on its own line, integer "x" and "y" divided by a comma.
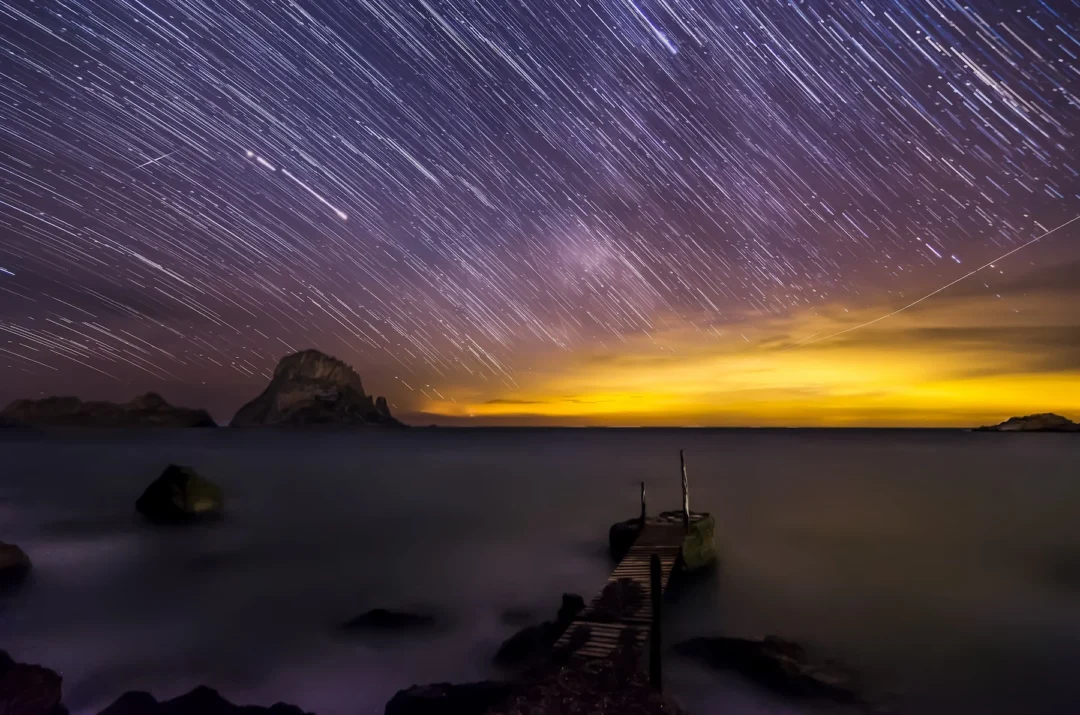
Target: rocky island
{"x": 1043, "y": 422}
{"x": 149, "y": 410}
{"x": 312, "y": 388}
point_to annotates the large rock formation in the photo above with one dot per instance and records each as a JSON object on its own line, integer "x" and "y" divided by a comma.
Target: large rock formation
{"x": 311, "y": 388}
{"x": 180, "y": 495}
{"x": 200, "y": 701}
{"x": 1044, "y": 422}
{"x": 14, "y": 564}
{"x": 149, "y": 410}
{"x": 28, "y": 689}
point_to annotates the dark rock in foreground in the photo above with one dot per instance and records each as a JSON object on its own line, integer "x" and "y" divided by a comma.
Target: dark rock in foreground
{"x": 534, "y": 642}
{"x": 1045, "y": 422}
{"x": 14, "y": 565}
{"x": 200, "y": 701}
{"x": 698, "y": 547}
{"x": 9, "y": 423}
{"x": 310, "y": 388}
{"x": 180, "y": 495}
{"x": 28, "y": 689}
{"x": 380, "y": 619}
{"x": 149, "y": 410}
{"x": 777, "y": 664}
{"x": 449, "y": 699}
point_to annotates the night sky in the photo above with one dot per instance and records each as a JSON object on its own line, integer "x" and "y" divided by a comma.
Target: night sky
{"x": 548, "y": 212}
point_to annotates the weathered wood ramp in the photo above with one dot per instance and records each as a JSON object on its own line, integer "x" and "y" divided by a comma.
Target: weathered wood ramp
{"x": 619, "y": 618}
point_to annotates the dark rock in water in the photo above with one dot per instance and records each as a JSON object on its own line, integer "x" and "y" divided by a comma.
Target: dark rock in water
{"x": 9, "y": 423}
{"x": 14, "y": 565}
{"x": 310, "y": 388}
{"x": 449, "y": 699}
{"x": 777, "y": 664}
{"x": 180, "y": 495}
{"x": 516, "y": 616}
{"x": 28, "y": 689}
{"x": 1044, "y": 422}
{"x": 149, "y": 410}
{"x": 380, "y": 619}
{"x": 533, "y": 642}
{"x": 200, "y": 701}
{"x": 621, "y": 536}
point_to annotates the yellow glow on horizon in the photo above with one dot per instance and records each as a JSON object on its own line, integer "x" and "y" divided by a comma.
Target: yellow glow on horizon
{"x": 941, "y": 366}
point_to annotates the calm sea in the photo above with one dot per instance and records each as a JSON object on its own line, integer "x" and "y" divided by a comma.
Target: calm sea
{"x": 944, "y": 566}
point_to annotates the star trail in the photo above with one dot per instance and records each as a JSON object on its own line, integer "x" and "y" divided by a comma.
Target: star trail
{"x": 452, "y": 195}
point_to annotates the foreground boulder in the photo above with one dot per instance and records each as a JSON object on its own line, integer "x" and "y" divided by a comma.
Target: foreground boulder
{"x": 449, "y": 699}
{"x": 380, "y": 619}
{"x": 1044, "y": 422}
{"x": 534, "y": 642}
{"x": 310, "y": 388}
{"x": 200, "y": 701}
{"x": 698, "y": 546}
{"x": 28, "y": 689}
{"x": 180, "y": 495}
{"x": 149, "y": 410}
{"x": 777, "y": 664}
{"x": 14, "y": 565}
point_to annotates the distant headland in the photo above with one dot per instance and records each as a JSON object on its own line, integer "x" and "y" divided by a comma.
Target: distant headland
{"x": 1043, "y": 422}
{"x": 308, "y": 388}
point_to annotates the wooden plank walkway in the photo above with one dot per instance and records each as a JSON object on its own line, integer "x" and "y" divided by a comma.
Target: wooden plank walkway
{"x": 619, "y": 618}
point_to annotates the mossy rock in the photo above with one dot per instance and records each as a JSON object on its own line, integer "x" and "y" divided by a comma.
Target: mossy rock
{"x": 180, "y": 495}
{"x": 699, "y": 547}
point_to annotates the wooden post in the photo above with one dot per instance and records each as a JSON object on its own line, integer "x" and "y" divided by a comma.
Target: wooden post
{"x": 685, "y": 492}
{"x": 643, "y": 505}
{"x": 656, "y": 676}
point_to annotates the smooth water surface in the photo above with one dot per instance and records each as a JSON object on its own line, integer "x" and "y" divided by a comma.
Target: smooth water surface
{"x": 944, "y": 566}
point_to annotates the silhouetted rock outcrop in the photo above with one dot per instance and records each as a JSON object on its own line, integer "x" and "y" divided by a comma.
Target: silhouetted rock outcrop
{"x": 534, "y": 642}
{"x": 449, "y": 699}
{"x": 149, "y": 410}
{"x": 200, "y": 701}
{"x": 14, "y": 565}
{"x": 777, "y": 664}
{"x": 310, "y": 388}
{"x": 180, "y": 495}
{"x": 28, "y": 689}
{"x": 1044, "y": 422}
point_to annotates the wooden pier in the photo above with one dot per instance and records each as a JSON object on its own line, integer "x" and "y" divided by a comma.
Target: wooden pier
{"x": 618, "y": 624}
{"x": 620, "y": 617}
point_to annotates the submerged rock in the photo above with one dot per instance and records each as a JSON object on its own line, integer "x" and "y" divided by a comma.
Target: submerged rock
{"x": 777, "y": 664}
{"x": 28, "y": 689}
{"x": 149, "y": 410}
{"x": 180, "y": 495}
{"x": 449, "y": 699}
{"x": 14, "y": 565}
{"x": 310, "y": 388}
{"x": 380, "y": 619}
{"x": 534, "y": 642}
{"x": 200, "y": 701}
{"x": 1044, "y": 422}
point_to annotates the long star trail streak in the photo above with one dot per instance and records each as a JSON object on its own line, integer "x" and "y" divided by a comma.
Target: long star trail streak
{"x": 468, "y": 179}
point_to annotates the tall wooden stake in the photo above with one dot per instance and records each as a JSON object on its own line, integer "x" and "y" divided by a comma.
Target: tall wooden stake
{"x": 643, "y": 505}
{"x": 656, "y": 675}
{"x": 685, "y": 493}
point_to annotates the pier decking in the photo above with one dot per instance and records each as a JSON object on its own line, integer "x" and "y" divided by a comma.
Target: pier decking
{"x": 619, "y": 619}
